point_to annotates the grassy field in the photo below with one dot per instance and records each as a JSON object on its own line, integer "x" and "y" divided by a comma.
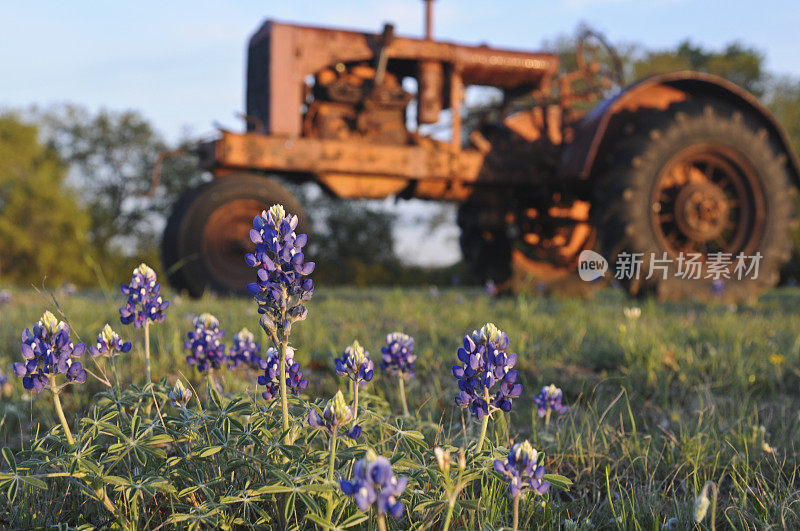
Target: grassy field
{"x": 659, "y": 405}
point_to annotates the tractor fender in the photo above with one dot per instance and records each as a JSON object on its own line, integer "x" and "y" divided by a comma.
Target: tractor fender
{"x": 599, "y": 129}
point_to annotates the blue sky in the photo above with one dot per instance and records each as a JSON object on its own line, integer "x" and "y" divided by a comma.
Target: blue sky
{"x": 181, "y": 63}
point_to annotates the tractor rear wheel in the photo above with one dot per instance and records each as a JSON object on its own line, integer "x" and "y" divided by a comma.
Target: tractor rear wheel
{"x": 484, "y": 242}
{"x": 701, "y": 179}
{"x": 208, "y": 233}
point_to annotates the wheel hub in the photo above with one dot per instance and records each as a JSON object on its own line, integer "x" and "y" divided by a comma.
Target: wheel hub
{"x": 701, "y": 211}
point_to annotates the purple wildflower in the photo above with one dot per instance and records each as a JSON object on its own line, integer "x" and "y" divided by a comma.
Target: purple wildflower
{"x": 398, "y": 355}
{"x": 144, "y": 300}
{"x": 48, "y": 352}
{"x": 355, "y": 364}
{"x": 336, "y": 415}
{"x": 549, "y": 399}
{"x": 206, "y": 350}
{"x": 717, "y": 286}
{"x": 5, "y": 297}
{"x": 281, "y": 268}
{"x": 180, "y": 395}
{"x": 244, "y": 351}
{"x": 522, "y": 470}
{"x": 109, "y": 344}
{"x": 485, "y": 364}
{"x": 375, "y": 485}
{"x": 3, "y": 379}
{"x": 295, "y": 383}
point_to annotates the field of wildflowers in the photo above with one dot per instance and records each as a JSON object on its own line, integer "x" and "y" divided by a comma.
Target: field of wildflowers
{"x": 670, "y": 414}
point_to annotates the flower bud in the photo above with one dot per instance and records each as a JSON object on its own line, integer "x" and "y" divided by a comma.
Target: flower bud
{"x": 442, "y": 459}
{"x": 180, "y": 395}
{"x": 701, "y": 505}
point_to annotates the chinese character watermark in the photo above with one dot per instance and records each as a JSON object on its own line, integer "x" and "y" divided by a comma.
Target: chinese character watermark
{"x": 717, "y": 266}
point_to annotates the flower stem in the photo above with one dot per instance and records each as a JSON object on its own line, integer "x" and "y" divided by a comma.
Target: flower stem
{"x": 282, "y": 378}
{"x": 211, "y": 384}
{"x": 282, "y": 369}
{"x": 331, "y": 468}
{"x": 450, "y": 504}
{"x": 516, "y": 512}
{"x": 547, "y": 418}
{"x": 482, "y": 436}
{"x": 114, "y": 372}
{"x": 381, "y": 522}
{"x": 147, "y": 349}
{"x": 403, "y": 396}
{"x": 485, "y": 421}
{"x": 355, "y": 402}
{"x": 60, "y": 411}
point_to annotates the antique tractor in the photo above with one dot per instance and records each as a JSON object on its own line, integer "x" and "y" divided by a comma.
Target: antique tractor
{"x": 680, "y": 163}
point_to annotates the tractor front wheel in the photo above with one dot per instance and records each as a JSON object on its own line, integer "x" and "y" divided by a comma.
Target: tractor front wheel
{"x": 208, "y": 233}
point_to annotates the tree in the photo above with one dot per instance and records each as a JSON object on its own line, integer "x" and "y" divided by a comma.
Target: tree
{"x": 111, "y": 155}
{"x": 43, "y": 231}
{"x": 736, "y": 62}
{"x": 350, "y": 242}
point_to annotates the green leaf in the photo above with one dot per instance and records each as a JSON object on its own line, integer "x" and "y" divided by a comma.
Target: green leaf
{"x": 159, "y": 439}
{"x": 211, "y": 450}
{"x": 8, "y": 455}
{"x": 116, "y": 480}
{"x": 34, "y": 482}
{"x": 315, "y": 488}
{"x": 561, "y": 482}
{"x": 354, "y": 520}
{"x": 273, "y": 489}
{"x": 319, "y": 521}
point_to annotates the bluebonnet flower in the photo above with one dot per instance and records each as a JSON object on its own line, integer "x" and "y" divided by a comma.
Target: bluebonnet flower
{"x": 375, "y": 485}
{"x": 180, "y": 395}
{"x": 522, "y": 470}
{"x": 48, "y": 352}
{"x": 245, "y": 350}
{"x": 486, "y": 364}
{"x": 549, "y": 399}
{"x": 3, "y": 379}
{"x": 144, "y": 300}
{"x": 206, "y": 350}
{"x": 717, "y": 286}
{"x": 355, "y": 364}
{"x": 295, "y": 383}
{"x": 5, "y": 297}
{"x": 281, "y": 268}
{"x": 398, "y": 355}
{"x": 336, "y": 415}
{"x": 109, "y": 344}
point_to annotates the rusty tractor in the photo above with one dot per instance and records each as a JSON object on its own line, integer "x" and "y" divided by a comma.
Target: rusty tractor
{"x": 678, "y": 165}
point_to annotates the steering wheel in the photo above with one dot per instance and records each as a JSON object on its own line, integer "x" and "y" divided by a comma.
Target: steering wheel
{"x": 592, "y": 54}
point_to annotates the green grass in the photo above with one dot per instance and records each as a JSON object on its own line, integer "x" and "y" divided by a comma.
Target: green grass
{"x": 659, "y": 405}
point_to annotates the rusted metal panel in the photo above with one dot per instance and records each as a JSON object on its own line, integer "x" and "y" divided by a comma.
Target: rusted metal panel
{"x": 431, "y": 92}
{"x": 363, "y": 186}
{"x": 578, "y": 158}
{"x": 318, "y": 157}
{"x": 275, "y": 89}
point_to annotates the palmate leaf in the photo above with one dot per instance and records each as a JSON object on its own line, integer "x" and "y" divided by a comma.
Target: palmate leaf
{"x": 354, "y": 520}
{"x": 9, "y": 458}
{"x": 208, "y": 452}
{"x": 556, "y": 480}
{"x": 324, "y": 524}
{"x": 33, "y": 482}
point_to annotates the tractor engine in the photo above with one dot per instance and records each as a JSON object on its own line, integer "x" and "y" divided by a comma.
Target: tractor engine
{"x": 345, "y": 103}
